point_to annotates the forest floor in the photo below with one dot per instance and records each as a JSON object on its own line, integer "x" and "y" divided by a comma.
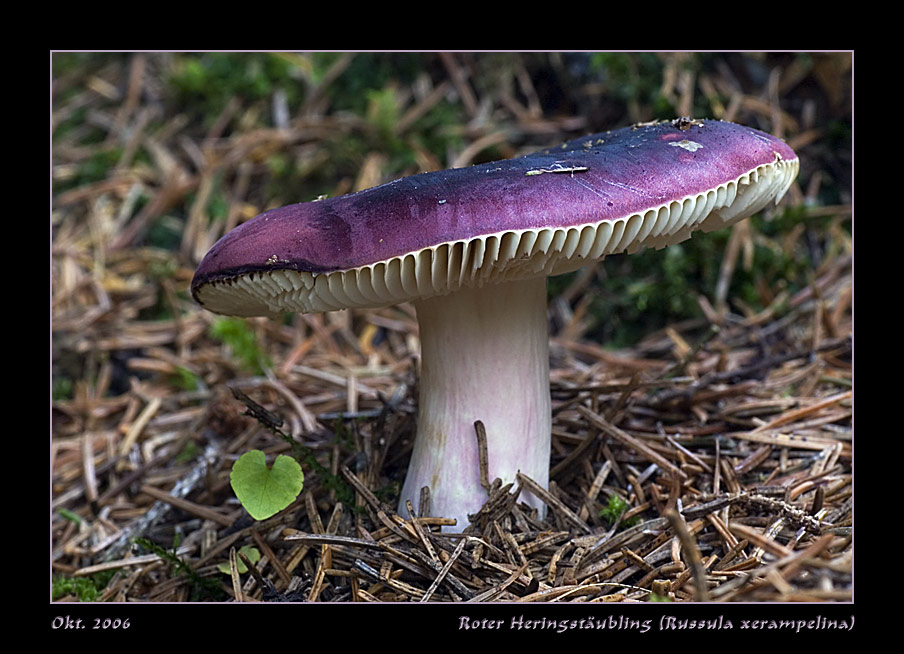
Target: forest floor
{"x": 709, "y": 460}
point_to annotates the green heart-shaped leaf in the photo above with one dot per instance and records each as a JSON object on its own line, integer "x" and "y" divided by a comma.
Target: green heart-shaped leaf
{"x": 265, "y": 491}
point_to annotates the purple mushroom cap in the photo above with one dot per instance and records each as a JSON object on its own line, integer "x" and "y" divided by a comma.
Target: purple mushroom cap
{"x": 601, "y": 177}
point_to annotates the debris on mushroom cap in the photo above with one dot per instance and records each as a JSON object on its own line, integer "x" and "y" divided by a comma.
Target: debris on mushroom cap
{"x": 546, "y": 213}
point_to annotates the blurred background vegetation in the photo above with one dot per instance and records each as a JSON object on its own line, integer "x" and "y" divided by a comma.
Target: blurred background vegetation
{"x": 164, "y": 152}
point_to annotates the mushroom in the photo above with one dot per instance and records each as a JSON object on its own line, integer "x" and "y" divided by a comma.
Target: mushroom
{"x": 471, "y": 248}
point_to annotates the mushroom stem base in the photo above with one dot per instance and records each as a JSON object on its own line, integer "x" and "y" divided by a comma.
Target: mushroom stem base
{"x": 484, "y": 356}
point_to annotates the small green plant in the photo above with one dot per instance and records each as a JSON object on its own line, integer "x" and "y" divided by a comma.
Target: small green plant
{"x": 70, "y": 516}
{"x": 614, "y": 510}
{"x": 266, "y": 491}
{"x": 253, "y": 555}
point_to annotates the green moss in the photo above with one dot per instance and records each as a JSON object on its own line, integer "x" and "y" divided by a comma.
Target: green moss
{"x": 236, "y": 334}
{"x": 614, "y": 510}
{"x": 365, "y": 73}
{"x": 641, "y": 293}
{"x": 94, "y": 169}
{"x": 632, "y": 78}
{"x": 204, "y": 83}
{"x": 62, "y": 388}
{"x": 650, "y": 289}
{"x": 184, "y": 379}
{"x": 389, "y": 493}
{"x": 165, "y": 233}
{"x": 86, "y": 589}
{"x": 189, "y": 453}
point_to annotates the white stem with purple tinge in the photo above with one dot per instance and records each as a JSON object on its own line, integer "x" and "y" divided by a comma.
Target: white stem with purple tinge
{"x": 485, "y": 356}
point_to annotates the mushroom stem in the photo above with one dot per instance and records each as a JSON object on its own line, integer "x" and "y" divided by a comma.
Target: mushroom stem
{"x": 484, "y": 356}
